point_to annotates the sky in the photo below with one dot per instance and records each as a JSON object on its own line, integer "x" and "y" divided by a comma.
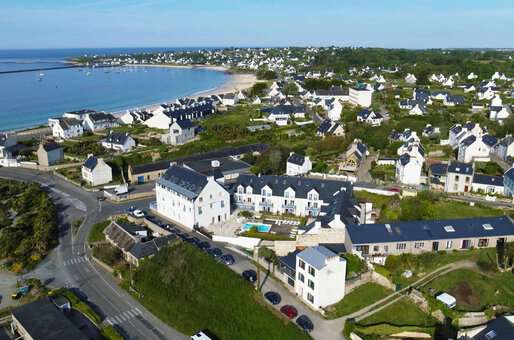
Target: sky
{"x": 209, "y": 23}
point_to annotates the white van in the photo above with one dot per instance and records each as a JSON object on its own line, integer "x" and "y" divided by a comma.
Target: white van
{"x": 200, "y": 336}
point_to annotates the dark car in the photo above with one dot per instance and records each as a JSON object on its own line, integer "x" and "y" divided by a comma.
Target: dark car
{"x": 216, "y": 252}
{"x": 305, "y": 323}
{"x": 250, "y": 275}
{"x": 195, "y": 240}
{"x": 273, "y": 297}
{"x": 227, "y": 259}
{"x": 203, "y": 245}
{"x": 289, "y": 311}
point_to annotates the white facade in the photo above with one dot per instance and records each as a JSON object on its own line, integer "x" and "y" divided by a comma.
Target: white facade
{"x": 477, "y": 151}
{"x": 159, "y": 120}
{"x": 98, "y": 175}
{"x": 210, "y": 206}
{"x": 409, "y": 173}
{"x": 334, "y": 112}
{"x": 179, "y": 135}
{"x": 361, "y": 97}
{"x": 126, "y": 145}
{"x": 320, "y": 277}
{"x": 65, "y": 128}
{"x": 295, "y": 169}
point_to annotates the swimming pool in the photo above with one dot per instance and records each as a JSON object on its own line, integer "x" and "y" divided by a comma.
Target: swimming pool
{"x": 261, "y": 228}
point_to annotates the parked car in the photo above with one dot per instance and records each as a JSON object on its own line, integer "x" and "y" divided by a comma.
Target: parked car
{"x": 305, "y": 323}
{"x": 203, "y": 245}
{"x": 138, "y": 213}
{"x": 216, "y": 252}
{"x": 289, "y": 311}
{"x": 273, "y": 297}
{"x": 227, "y": 259}
{"x": 250, "y": 275}
{"x": 195, "y": 240}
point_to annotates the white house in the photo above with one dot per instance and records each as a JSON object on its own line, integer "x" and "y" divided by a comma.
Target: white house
{"x": 298, "y": 165}
{"x": 473, "y": 149}
{"x": 418, "y": 110}
{"x": 99, "y": 120}
{"x": 498, "y": 111}
{"x": 490, "y": 185}
{"x": 180, "y": 132}
{"x": 320, "y": 277}
{"x": 119, "y": 142}
{"x": 459, "y": 177}
{"x": 191, "y": 199}
{"x": 79, "y": 114}
{"x": 361, "y": 96}
{"x": 410, "y": 79}
{"x": 334, "y": 112}
{"x": 96, "y": 172}
{"x": 6, "y": 141}
{"x": 410, "y": 163}
{"x": 300, "y": 196}
{"x": 472, "y": 76}
{"x": 460, "y": 132}
{"x": 485, "y": 93}
{"x": 328, "y": 127}
{"x": 229, "y": 99}
{"x": 370, "y": 117}
{"x": 505, "y": 148}
{"x": 65, "y": 128}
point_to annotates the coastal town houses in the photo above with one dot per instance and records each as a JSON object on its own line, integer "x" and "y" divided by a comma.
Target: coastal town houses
{"x": 334, "y": 110}
{"x": 134, "y": 241}
{"x": 505, "y": 148}
{"x": 284, "y": 113}
{"x": 508, "y": 183}
{"x": 299, "y": 196}
{"x": 180, "y": 132}
{"x": 135, "y": 117}
{"x": 6, "y": 142}
{"x": 410, "y": 79}
{"x": 96, "y": 172}
{"x": 475, "y": 149}
{"x": 99, "y": 121}
{"x": 166, "y": 114}
{"x": 119, "y": 141}
{"x": 460, "y": 132}
{"x": 330, "y": 128}
{"x": 320, "y": 277}
{"x": 354, "y": 155}
{"x": 377, "y": 241}
{"x": 298, "y": 165}
{"x": 333, "y": 92}
{"x": 410, "y": 163}
{"x": 498, "y": 111}
{"x": 486, "y": 184}
{"x": 191, "y": 199}
{"x": 49, "y": 153}
{"x": 66, "y": 128}
{"x": 78, "y": 114}
{"x": 459, "y": 177}
{"x": 370, "y": 117}
{"x": 361, "y": 96}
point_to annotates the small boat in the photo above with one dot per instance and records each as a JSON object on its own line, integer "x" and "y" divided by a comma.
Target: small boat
{"x": 41, "y": 75}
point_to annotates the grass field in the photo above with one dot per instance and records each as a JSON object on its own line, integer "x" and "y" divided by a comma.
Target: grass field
{"x": 357, "y": 299}
{"x": 401, "y": 313}
{"x": 97, "y": 232}
{"x": 425, "y": 263}
{"x": 475, "y": 291}
{"x": 190, "y": 291}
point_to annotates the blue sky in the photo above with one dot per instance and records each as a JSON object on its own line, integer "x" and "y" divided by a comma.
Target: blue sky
{"x": 141, "y": 23}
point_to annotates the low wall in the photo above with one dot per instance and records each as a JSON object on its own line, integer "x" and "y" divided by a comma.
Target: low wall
{"x": 240, "y": 241}
{"x": 370, "y": 276}
{"x": 376, "y": 191}
{"x": 320, "y": 175}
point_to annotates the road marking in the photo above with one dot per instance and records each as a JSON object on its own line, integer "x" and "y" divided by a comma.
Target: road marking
{"x": 122, "y": 317}
{"x": 75, "y": 260}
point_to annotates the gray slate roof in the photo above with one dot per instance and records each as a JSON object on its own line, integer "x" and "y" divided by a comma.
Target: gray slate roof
{"x": 488, "y": 180}
{"x": 296, "y": 159}
{"x": 430, "y": 230}
{"x": 460, "y": 168}
{"x": 184, "y": 181}
{"x": 316, "y": 256}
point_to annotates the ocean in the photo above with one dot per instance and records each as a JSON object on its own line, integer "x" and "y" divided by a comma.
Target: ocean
{"x": 30, "y": 98}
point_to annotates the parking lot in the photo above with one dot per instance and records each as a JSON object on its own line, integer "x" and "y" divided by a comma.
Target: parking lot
{"x": 243, "y": 262}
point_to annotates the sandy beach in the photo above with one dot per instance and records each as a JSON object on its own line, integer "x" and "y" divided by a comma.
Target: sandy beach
{"x": 237, "y": 82}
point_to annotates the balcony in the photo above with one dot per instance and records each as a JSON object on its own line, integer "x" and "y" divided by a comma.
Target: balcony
{"x": 312, "y": 211}
{"x": 266, "y": 204}
{"x": 289, "y": 205}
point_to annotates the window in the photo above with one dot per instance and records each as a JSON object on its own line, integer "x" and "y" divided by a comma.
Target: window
{"x": 240, "y": 190}
{"x": 483, "y": 242}
{"x": 301, "y": 277}
{"x": 310, "y": 284}
{"x": 223, "y": 204}
{"x": 401, "y": 246}
{"x": 449, "y": 244}
{"x": 312, "y": 271}
{"x": 201, "y": 199}
{"x": 467, "y": 179}
{"x": 310, "y": 298}
{"x": 466, "y": 244}
{"x": 456, "y": 178}
{"x": 199, "y": 210}
{"x": 301, "y": 264}
{"x": 376, "y": 248}
{"x": 419, "y": 245}
{"x": 386, "y": 249}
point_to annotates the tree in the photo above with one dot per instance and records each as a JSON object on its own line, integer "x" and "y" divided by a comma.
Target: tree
{"x": 290, "y": 89}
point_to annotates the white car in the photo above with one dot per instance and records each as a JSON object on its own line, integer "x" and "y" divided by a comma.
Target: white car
{"x": 138, "y": 213}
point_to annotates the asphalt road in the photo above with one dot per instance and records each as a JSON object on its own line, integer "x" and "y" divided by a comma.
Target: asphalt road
{"x": 69, "y": 264}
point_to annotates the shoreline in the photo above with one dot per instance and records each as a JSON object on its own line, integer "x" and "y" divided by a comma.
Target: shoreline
{"x": 236, "y": 82}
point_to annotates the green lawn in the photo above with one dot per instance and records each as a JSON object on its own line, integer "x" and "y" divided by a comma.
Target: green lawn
{"x": 357, "y": 299}
{"x": 97, "y": 232}
{"x": 190, "y": 291}
{"x": 475, "y": 291}
{"x": 422, "y": 264}
{"x": 401, "y": 313}
{"x": 444, "y": 209}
